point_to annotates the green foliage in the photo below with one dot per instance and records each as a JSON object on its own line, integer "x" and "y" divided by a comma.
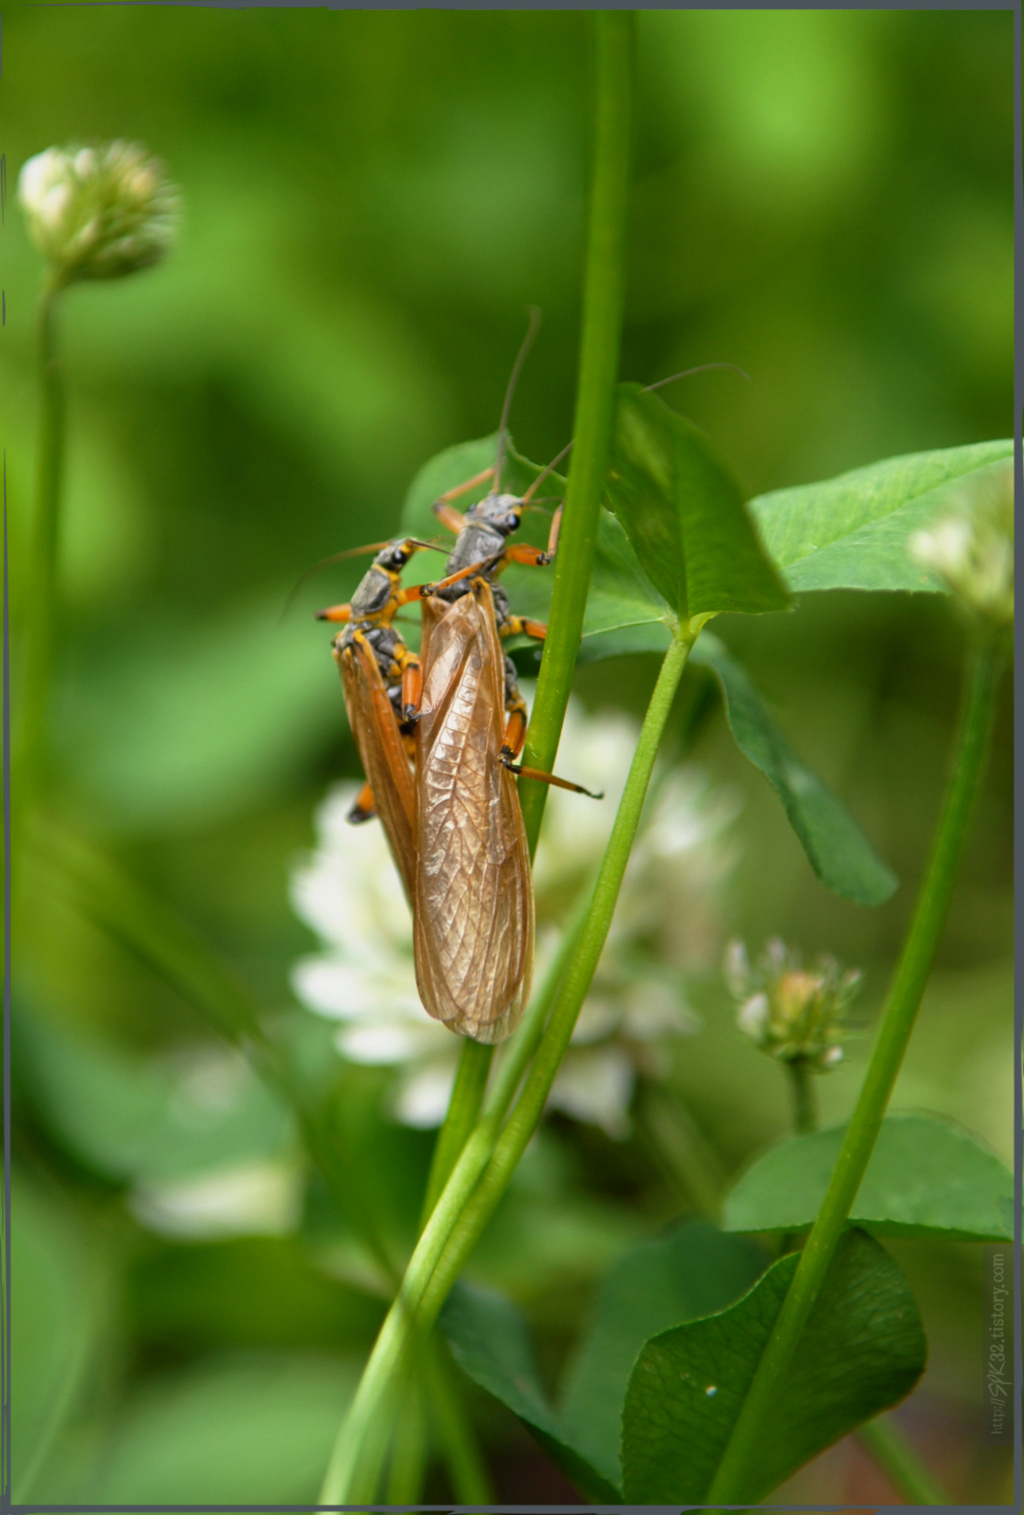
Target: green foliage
{"x": 692, "y": 1271}
{"x": 143, "y": 1119}
{"x": 927, "y": 1178}
{"x": 684, "y": 513}
{"x": 214, "y": 1295}
{"x": 862, "y": 1350}
{"x": 254, "y": 1431}
{"x": 838, "y": 850}
{"x": 852, "y": 532}
{"x": 58, "y": 1284}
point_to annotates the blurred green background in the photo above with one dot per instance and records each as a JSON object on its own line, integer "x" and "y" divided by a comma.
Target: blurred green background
{"x": 371, "y": 201}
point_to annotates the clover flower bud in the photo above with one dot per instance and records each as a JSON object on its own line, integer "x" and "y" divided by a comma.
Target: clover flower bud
{"x": 98, "y": 212}
{"x": 791, "y": 1012}
{"x": 971, "y": 546}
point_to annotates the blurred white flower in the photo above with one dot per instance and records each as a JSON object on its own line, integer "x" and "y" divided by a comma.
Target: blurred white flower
{"x": 98, "y": 212}
{"x": 791, "y": 1012}
{"x": 245, "y": 1199}
{"x": 666, "y": 924}
{"x": 971, "y": 546}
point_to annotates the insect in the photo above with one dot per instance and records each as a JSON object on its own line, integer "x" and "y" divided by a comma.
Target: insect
{"x": 380, "y": 677}
{"x": 452, "y": 820}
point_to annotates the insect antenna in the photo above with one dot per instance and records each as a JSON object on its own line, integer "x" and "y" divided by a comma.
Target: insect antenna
{"x": 688, "y": 373}
{"x": 350, "y": 552}
{"x": 528, "y": 496}
{"x": 531, "y": 332}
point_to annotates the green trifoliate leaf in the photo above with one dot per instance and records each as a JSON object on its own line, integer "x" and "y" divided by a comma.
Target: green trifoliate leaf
{"x": 684, "y": 513}
{"x": 692, "y": 1270}
{"x": 927, "y": 1177}
{"x": 862, "y": 1350}
{"x": 837, "y": 849}
{"x": 853, "y": 532}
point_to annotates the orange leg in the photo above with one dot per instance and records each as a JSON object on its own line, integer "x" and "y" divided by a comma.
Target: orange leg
{"x": 515, "y": 732}
{"x": 335, "y": 613}
{"x": 412, "y": 687}
{"x": 532, "y": 557}
{"x": 518, "y": 625}
{"x": 515, "y": 736}
{"x": 425, "y": 590}
{"x": 363, "y": 807}
{"x": 505, "y": 757}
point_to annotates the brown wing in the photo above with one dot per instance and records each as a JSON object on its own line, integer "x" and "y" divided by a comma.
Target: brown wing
{"x": 382, "y": 753}
{"x": 473, "y": 916}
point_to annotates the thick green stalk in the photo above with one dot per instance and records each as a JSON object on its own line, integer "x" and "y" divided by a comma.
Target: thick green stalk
{"x": 464, "y": 1208}
{"x": 883, "y": 1439}
{"x": 604, "y": 282}
{"x": 467, "y": 1096}
{"x": 973, "y": 740}
{"x": 409, "y": 1449}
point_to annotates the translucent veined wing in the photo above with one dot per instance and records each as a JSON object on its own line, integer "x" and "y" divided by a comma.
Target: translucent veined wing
{"x": 382, "y": 754}
{"x": 473, "y": 916}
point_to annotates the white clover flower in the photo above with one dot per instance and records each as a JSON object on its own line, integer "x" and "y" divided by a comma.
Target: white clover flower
{"x": 98, "y": 212}
{"x": 260, "y": 1198}
{"x": 971, "y": 546}
{"x": 793, "y": 1013}
{"x": 349, "y": 893}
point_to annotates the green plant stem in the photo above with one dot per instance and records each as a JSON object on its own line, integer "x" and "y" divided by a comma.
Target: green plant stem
{"x": 467, "y": 1470}
{"x": 467, "y": 1097}
{"x": 39, "y": 618}
{"x": 488, "y": 1160}
{"x": 409, "y": 1447}
{"x": 932, "y": 908}
{"x": 901, "y": 1464}
{"x": 603, "y": 286}
{"x": 882, "y": 1439}
{"x": 805, "y": 1105}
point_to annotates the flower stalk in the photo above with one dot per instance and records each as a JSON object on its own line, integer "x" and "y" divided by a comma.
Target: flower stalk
{"x": 929, "y": 918}
{"x": 603, "y": 295}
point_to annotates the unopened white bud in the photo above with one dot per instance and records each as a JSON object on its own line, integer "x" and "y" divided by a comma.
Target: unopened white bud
{"x": 98, "y": 212}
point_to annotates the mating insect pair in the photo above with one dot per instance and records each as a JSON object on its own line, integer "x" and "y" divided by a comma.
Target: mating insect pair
{"x": 438, "y": 736}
